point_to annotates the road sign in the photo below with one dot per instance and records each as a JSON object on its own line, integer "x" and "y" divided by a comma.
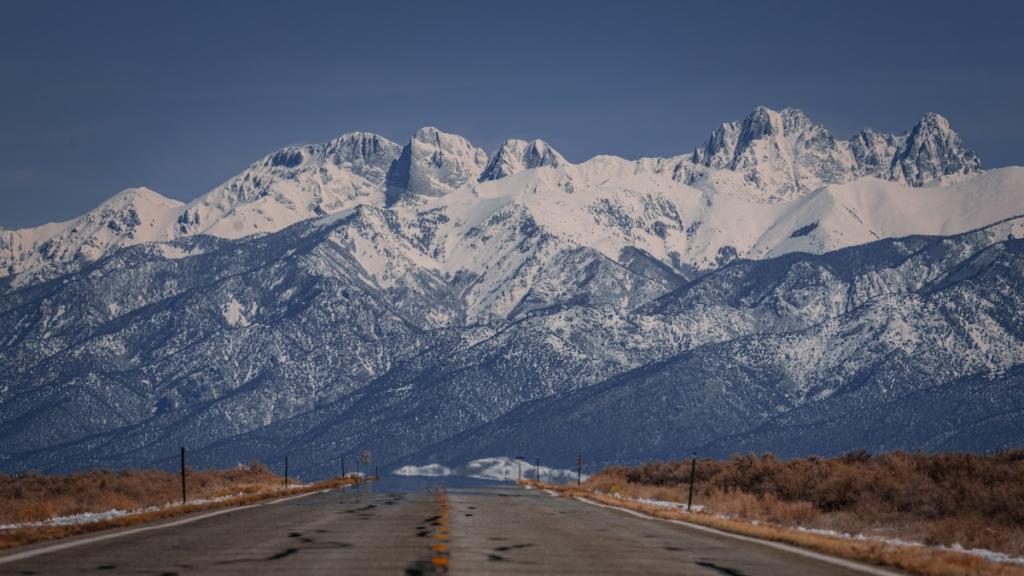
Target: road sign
{"x": 366, "y": 457}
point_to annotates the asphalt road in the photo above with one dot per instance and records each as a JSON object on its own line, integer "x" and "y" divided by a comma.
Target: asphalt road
{"x": 416, "y": 527}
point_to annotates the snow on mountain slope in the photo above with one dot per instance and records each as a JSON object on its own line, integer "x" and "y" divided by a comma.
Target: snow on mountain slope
{"x": 133, "y": 216}
{"x": 433, "y": 163}
{"x": 779, "y": 156}
{"x": 757, "y": 188}
{"x": 293, "y": 185}
{"x": 504, "y": 227}
{"x": 516, "y": 156}
{"x": 289, "y": 186}
{"x": 870, "y": 209}
{"x": 318, "y": 340}
{"x": 908, "y": 333}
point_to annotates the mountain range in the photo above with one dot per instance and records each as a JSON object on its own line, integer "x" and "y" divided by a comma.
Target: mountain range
{"x": 775, "y": 289}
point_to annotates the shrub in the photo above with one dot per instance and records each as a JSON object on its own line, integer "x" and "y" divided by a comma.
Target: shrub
{"x": 948, "y": 498}
{"x": 34, "y": 497}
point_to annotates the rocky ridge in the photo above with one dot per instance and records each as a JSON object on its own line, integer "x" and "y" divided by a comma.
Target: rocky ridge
{"x": 770, "y": 157}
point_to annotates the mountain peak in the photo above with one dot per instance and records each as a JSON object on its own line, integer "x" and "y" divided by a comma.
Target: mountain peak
{"x": 760, "y": 123}
{"x": 141, "y": 194}
{"x": 515, "y": 156}
{"x": 934, "y": 153}
{"x": 364, "y": 154}
{"x": 428, "y": 134}
{"x": 777, "y": 156}
{"x": 433, "y": 163}
{"x": 346, "y": 140}
{"x": 933, "y": 119}
{"x": 769, "y": 156}
{"x": 139, "y": 200}
{"x": 132, "y": 216}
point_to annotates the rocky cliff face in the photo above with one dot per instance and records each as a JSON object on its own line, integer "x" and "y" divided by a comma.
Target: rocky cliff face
{"x": 780, "y": 156}
{"x": 433, "y": 164}
{"x": 933, "y": 153}
{"x": 516, "y": 156}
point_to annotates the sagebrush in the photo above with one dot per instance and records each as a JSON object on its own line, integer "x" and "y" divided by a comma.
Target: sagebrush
{"x": 36, "y": 497}
{"x": 953, "y": 499}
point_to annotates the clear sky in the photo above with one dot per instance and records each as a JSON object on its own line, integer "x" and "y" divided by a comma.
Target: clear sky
{"x": 179, "y": 96}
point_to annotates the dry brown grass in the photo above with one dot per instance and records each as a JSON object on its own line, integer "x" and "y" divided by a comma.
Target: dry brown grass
{"x": 34, "y": 498}
{"x": 915, "y": 559}
{"x": 970, "y": 500}
{"x": 975, "y": 501}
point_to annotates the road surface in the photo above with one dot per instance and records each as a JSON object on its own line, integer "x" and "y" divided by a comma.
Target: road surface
{"x": 403, "y": 526}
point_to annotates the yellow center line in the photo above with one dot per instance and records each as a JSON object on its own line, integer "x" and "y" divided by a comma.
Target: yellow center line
{"x": 440, "y": 551}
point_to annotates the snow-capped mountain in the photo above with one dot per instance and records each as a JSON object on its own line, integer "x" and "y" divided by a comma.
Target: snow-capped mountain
{"x": 430, "y": 301}
{"x": 133, "y": 216}
{"x": 433, "y": 164}
{"x": 278, "y": 344}
{"x": 759, "y": 169}
{"x": 289, "y": 186}
{"x": 293, "y": 185}
{"x": 776, "y": 155}
{"x": 779, "y": 156}
{"x": 515, "y": 156}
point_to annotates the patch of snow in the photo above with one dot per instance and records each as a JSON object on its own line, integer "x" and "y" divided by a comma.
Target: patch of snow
{"x": 174, "y": 253}
{"x": 986, "y": 554}
{"x": 92, "y": 517}
{"x": 497, "y": 468}
{"x": 427, "y": 470}
{"x": 677, "y": 506}
{"x": 232, "y": 312}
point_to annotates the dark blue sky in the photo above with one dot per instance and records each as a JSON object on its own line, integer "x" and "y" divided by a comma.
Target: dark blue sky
{"x": 180, "y": 96}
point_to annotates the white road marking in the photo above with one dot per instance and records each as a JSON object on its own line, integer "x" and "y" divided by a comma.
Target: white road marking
{"x": 109, "y": 536}
{"x": 786, "y": 547}
{"x": 552, "y": 493}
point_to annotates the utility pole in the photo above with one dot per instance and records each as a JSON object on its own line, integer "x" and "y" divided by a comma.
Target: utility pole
{"x": 538, "y": 469}
{"x": 285, "y": 471}
{"x": 579, "y": 469}
{"x": 693, "y": 474}
{"x": 184, "y": 500}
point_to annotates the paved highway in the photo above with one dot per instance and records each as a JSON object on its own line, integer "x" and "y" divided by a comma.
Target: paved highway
{"x": 404, "y": 526}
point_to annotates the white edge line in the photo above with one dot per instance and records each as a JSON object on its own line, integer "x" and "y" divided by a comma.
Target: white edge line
{"x": 552, "y": 493}
{"x": 778, "y": 545}
{"x": 100, "y": 538}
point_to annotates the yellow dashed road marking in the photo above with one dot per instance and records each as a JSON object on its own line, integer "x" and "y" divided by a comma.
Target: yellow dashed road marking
{"x": 440, "y": 560}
